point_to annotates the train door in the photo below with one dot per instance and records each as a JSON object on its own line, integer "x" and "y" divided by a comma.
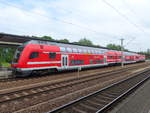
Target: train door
{"x": 105, "y": 59}
{"x": 64, "y": 61}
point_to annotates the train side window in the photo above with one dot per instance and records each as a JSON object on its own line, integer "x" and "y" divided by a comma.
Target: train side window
{"x": 99, "y": 60}
{"x": 85, "y": 51}
{"x": 80, "y": 50}
{"x": 62, "y": 49}
{"x": 69, "y": 50}
{"x": 34, "y": 55}
{"x": 100, "y": 52}
{"x": 52, "y": 55}
{"x": 93, "y": 51}
{"x": 89, "y": 51}
{"x": 75, "y": 50}
{"x": 120, "y": 56}
{"x": 110, "y": 56}
{"x": 91, "y": 61}
{"x": 77, "y": 62}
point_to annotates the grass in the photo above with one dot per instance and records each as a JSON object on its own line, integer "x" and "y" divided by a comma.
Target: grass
{"x": 5, "y": 64}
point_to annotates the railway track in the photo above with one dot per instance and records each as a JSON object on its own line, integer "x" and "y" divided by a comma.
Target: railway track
{"x": 18, "y": 96}
{"x": 14, "y": 82}
{"x": 49, "y": 76}
{"x": 36, "y": 77}
{"x": 6, "y": 95}
{"x": 103, "y": 100}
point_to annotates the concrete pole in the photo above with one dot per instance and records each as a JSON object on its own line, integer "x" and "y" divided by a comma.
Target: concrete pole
{"x": 79, "y": 69}
{"x": 122, "y": 58}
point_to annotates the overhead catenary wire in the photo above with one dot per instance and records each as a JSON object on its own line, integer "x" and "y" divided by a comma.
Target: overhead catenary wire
{"x": 61, "y": 20}
{"x": 129, "y": 42}
{"x": 131, "y": 10}
{"x": 124, "y": 16}
{"x": 126, "y": 4}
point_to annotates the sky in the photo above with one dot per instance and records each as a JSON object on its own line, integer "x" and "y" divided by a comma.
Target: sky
{"x": 101, "y": 21}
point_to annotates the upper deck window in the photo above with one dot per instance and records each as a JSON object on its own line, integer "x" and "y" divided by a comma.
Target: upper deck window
{"x": 89, "y": 51}
{"x": 69, "y": 49}
{"x": 80, "y": 50}
{"x": 93, "y": 51}
{"x": 85, "y": 51}
{"x": 75, "y": 50}
{"x": 62, "y": 49}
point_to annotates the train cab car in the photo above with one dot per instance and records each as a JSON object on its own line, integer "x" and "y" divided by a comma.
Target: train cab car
{"x": 85, "y": 57}
{"x": 32, "y": 56}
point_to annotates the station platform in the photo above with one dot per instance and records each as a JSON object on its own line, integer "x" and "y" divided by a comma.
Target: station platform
{"x": 5, "y": 73}
{"x": 138, "y": 102}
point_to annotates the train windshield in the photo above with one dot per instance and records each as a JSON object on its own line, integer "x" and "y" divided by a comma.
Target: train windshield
{"x": 17, "y": 54}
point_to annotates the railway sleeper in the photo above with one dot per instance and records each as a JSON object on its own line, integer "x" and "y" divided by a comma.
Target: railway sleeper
{"x": 85, "y": 108}
{"x": 110, "y": 95}
{"x": 99, "y": 101}
{"x": 94, "y": 103}
{"x": 75, "y": 110}
{"x": 91, "y": 104}
{"x": 105, "y": 98}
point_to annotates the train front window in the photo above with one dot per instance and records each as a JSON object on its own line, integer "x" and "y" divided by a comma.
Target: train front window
{"x": 34, "y": 55}
{"x": 18, "y": 53}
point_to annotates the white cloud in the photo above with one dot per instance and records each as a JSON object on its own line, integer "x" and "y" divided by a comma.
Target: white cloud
{"x": 75, "y": 19}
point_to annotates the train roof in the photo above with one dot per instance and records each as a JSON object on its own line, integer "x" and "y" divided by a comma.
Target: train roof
{"x": 66, "y": 45}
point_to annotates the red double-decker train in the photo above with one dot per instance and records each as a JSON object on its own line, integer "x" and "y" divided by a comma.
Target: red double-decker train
{"x": 35, "y": 56}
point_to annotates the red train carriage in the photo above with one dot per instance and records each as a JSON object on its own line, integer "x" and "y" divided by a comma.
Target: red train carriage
{"x": 35, "y": 56}
{"x": 113, "y": 57}
{"x": 129, "y": 57}
{"x": 118, "y": 57}
{"x": 139, "y": 58}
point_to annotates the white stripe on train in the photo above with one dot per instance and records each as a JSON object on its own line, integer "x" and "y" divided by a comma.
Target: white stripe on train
{"x": 68, "y": 67}
{"x": 61, "y": 68}
{"x": 45, "y": 62}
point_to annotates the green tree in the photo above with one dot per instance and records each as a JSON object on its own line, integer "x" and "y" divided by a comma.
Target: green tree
{"x": 44, "y": 37}
{"x": 84, "y": 41}
{"x": 116, "y": 47}
{"x": 146, "y": 53}
{"x": 63, "y": 40}
{"x": 47, "y": 37}
{"x": 6, "y": 54}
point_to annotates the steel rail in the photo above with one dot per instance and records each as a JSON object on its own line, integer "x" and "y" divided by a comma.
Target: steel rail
{"x": 81, "y": 80}
{"x": 65, "y": 107}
